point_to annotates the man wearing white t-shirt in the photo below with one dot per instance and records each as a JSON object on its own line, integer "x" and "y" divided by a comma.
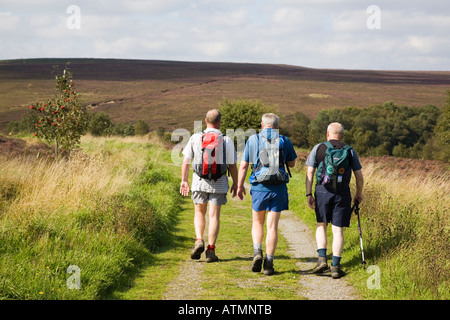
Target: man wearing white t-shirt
{"x": 205, "y": 190}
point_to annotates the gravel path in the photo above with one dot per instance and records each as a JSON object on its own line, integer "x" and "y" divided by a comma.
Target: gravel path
{"x": 187, "y": 285}
{"x": 302, "y": 247}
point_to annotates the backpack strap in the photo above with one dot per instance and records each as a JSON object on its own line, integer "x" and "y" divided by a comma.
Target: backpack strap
{"x": 328, "y": 144}
{"x": 255, "y": 165}
{"x": 224, "y": 147}
{"x": 282, "y": 155}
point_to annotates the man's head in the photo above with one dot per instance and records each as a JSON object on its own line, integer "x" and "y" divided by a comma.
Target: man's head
{"x": 213, "y": 118}
{"x": 335, "y": 131}
{"x": 269, "y": 120}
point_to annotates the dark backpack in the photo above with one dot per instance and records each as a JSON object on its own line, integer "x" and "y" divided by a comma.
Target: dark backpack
{"x": 213, "y": 163}
{"x": 333, "y": 171}
{"x": 270, "y": 168}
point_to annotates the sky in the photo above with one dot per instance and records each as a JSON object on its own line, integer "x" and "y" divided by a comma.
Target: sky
{"x": 334, "y": 34}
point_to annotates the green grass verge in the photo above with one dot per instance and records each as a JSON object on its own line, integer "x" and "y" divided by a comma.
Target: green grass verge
{"x": 108, "y": 237}
{"x": 404, "y": 239}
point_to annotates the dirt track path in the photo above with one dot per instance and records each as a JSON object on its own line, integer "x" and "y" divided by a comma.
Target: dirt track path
{"x": 187, "y": 285}
{"x": 302, "y": 248}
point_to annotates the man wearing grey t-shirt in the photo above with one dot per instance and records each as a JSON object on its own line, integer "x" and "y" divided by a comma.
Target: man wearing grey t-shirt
{"x": 331, "y": 204}
{"x": 206, "y": 190}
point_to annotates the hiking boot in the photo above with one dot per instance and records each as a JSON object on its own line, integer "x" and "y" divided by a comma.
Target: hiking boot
{"x": 268, "y": 267}
{"x": 336, "y": 272}
{"x": 211, "y": 255}
{"x": 321, "y": 265}
{"x": 199, "y": 247}
{"x": 257, "y": 261}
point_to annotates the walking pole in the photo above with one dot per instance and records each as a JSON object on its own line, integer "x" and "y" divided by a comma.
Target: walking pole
{"x": 356, "y": 208}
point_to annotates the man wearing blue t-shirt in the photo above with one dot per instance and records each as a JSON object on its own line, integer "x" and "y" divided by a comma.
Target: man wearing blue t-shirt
{"x": 268, "y": 153}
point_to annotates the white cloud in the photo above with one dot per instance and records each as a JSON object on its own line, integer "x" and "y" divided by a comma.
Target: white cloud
{"x": 8, "y": 22}
{"x": 420, "y": 44}
{"x": 213, "y": 48}
{"x": 313, "y": 33}
{"x": 229, "y": 19}
{"x": 288, "y": 16}
{"x": 350, "y": 21}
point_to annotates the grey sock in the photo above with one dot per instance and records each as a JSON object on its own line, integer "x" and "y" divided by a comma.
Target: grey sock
{"x": 257, "y": 248}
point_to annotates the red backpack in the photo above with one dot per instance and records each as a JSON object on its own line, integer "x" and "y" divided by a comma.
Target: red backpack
{"x": 213, "y": 163}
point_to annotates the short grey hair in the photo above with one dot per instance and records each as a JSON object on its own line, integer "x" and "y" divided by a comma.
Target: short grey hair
{"x": 270, "y": 120}
{"x": 336, "y": 128}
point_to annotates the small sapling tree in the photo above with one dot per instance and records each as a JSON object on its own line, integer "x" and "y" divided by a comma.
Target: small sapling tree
{"x": 61, "y": 120}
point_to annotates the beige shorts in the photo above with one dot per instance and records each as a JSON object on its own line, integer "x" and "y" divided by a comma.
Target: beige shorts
{"x": 200, "y": 197}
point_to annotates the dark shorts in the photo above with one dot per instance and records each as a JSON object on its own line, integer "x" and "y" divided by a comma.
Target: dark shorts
{"x": 333, "y": 207}
{"x": 269, "y": 201}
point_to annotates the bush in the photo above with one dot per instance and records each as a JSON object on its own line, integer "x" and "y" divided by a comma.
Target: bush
{"x": 100, "y": 124}
{"x": 141, "y": 128}
{"x": 439, "y": 143}
{"x": 123, "y": 130}
{"x": 243, "y": 114}
{"x": 22, "y": 126}
{"x": 296, "y": 127}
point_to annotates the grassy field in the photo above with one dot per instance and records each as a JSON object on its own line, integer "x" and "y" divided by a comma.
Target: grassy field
{"x": 113, "y": 210}
{"x": 103, "y": 210}
{"x": 157, "y": 91}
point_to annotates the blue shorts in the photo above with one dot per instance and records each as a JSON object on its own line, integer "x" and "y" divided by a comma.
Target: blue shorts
{"x": 333, "y": 207}
{"x": 269, "y": 201}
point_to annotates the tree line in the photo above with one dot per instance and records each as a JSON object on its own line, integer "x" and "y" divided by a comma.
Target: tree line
{"x": 377, "y": 130}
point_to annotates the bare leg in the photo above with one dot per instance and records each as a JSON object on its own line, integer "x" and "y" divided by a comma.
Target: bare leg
{"x": 338, "y": 240}
{"x": 199, "y": 220}
{"x": 258, "y": 226}
{"x": 321, "y": 235}
{"x": 272, "y": 232}
{"x": 214, "y": 223}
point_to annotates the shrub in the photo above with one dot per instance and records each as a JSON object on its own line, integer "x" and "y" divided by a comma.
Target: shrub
{"x": 297, "y": 129}
{"x": 123, "y": 130}
{"x": 100, "y": 124}
{"x": 243, "y": 114}
{"x": 141, "y": 128}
